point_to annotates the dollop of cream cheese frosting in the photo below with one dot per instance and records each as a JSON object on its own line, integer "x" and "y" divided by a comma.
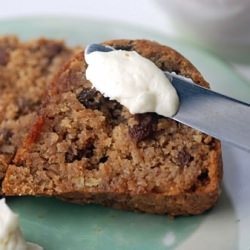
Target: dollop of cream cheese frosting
{"x": 11, "y": 237}
{"x": 132, "y": 80}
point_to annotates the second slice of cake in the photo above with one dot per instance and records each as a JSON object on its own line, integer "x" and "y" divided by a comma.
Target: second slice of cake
{"x": 26, "y": 68}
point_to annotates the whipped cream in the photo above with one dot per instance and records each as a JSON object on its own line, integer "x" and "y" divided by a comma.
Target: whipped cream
{"x": 132, "y": 80}
{"x": 10, "y": 234}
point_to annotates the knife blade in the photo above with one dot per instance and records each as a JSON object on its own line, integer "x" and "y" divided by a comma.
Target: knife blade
{"x": 210, "y": 112}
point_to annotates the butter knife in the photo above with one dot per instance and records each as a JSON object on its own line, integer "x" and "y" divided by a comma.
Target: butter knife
{"x": 215, "y": 114}
{"x": 220, "y": 116}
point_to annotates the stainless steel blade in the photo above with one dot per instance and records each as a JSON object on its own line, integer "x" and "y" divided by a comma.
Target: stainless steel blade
{"x": 212, "y": 113}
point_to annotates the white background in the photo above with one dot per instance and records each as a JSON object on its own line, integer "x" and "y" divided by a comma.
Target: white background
{"x": 140, "y": 12}
{"x": 145, "y": 13}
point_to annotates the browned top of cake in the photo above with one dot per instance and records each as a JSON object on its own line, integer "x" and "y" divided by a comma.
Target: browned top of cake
{"x": 25, "y": 70}
{"x": 84, "y": 143}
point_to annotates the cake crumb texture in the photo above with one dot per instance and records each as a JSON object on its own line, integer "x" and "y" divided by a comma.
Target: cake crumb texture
{"x": 26, "y": 68}
{"x": 89, "y": 149}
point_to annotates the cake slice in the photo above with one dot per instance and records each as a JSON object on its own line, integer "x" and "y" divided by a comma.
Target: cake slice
{"x": 25, "y": 70}
{"x": 86, "y": 148}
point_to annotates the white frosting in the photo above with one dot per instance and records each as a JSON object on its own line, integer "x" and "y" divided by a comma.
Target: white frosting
{"x": 10, "y": 234}
{"x": 132, "y": 80}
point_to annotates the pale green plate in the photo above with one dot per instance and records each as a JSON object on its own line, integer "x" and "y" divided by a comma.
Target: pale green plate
{"x": 58, "y": 225}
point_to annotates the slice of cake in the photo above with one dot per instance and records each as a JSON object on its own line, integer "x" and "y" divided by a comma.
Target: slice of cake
{"x": 25, "y": 70}
{"x": 86, "y": 148}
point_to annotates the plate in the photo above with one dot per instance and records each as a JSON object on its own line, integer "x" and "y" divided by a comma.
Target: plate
{"x": 58, "y": 225}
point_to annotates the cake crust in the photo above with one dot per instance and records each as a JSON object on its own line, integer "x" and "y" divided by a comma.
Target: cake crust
{"x": 86, "y": 148}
